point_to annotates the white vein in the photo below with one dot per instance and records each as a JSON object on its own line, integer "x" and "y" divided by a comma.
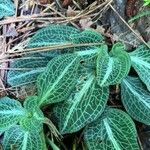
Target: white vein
{"x": 108, "y": 71}
{"x": 110, "y": 135}
{"x": 78, "y": 98}
{"x": 57, "y": 81}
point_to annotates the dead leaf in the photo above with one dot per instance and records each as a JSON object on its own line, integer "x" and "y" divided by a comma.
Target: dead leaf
{"x": 71, "y": 12}
{"x": 85, "y": 23}
{"x": 11, "y": 31}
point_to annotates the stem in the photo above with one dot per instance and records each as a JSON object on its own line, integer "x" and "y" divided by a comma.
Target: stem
{"x": 52, "y": 144}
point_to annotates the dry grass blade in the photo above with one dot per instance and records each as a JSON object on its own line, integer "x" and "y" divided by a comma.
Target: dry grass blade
{"x": 138, "y": 36}
{"x": 46, "y": 48}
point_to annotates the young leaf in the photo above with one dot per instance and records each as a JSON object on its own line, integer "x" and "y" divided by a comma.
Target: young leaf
{"x": 20, "y": 139}
{"x": 140, "y": 59}
{"x": 11, "y": 112}
{"x": 82, "y": 107}
{"x": 136, "y": 99}
{"x": 52, "y": 35}
{"x": 6, "y": 8}
{"x": 34, "y": 118}
{"x": 26, "y": 70}
{"x": 112, "y": 67}
{"x": 114, "y": 130}
{"x": 58, "y": 79}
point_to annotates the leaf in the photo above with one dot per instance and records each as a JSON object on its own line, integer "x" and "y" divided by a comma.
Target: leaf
{"x": 136, "y": 99}
{"x": 146, "y": 2}
{"x": 6, "y": 8}
{"x": 52, "y": 35}
{"x": 11, "y": 112}
{"x": 26, "y": 70}
{"x": 112, "y": 67}
{"x": 57, "y": 81}
{"x": 34, "y": 118}
{"x": 140, "y": 59}
{"x": 20, "y": 139}
{"x": 82, "y": 107}
{"x": 87, "y": 36}
{"x": 88, "y": 56}
{"x": 114, "y": 130}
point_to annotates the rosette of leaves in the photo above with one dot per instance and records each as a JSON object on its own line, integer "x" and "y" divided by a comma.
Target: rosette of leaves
{"x": 22, "y": 125}
{"x": 77, "y": 84}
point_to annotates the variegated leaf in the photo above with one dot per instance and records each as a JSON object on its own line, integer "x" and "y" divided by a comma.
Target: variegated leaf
{"x": 87, "y": 36}
{"x": 25, "y": 70}
{"x": 52, "y": 35}
{"x": 20, "y": 139}
{"x": 82, "y": 107}
{"x": 34, "y": 118}
{"x": 6, "y": 8}
{"x": 57, "y": 81}
{"x": 114, "y": 130}
{"x": 112, "y": 67}
{"x": 136, "y": 99}
{"x": 140, "y": 59}
{"x": 11, "y": 112}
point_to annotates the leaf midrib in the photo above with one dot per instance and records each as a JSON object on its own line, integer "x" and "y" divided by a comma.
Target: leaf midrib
{"x": 46, "y": 93}
{"x": 12, "y": 111}
{"x": 108, "y": 71}
{"x": 110, "y": 135}
{"x": 136, "y": 94}
{"x": 138, "y": 60}
{"x": 78, "y": 98}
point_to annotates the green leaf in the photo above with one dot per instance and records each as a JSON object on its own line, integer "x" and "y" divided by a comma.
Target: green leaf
{"x": 25, "y": 70}
{"x": 87, "y": 36}
{"x": 52, "y": 35}
{"x": 112, "y": 67}
{"x": 20, "y": 139}
{"x": 57, "y": 81}
{"x": 6, "y": 8}
{"x": 146, "y": 2}
{"x": 88, "y": 53}
{"x": 11, "y": 112}
{"x": 34, "y": 118}
{"x": 88, "y": 56}
{"x": 140, "y": 59}
{"x": 136, "y": 99}
{"x": 114, "y": 130}
{"x": 82, "y": 107}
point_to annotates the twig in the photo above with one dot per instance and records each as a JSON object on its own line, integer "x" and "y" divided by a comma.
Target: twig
{"x": 47, "y": 48}
{"x": 139, "y": 37}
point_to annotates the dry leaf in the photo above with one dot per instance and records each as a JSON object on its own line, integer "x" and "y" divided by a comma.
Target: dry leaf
{"x": 11, "y": 31}
{"x": 85, "y": 23}
{"x": 71, "y": 12}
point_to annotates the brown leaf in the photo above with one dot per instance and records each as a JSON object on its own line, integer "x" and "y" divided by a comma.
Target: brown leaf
{"x": 71, "y": 12}
{"x": 85, "y": 23}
